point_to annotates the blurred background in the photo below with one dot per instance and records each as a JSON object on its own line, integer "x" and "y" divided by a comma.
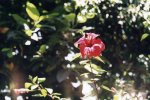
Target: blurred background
{"x": 37, "y": 38}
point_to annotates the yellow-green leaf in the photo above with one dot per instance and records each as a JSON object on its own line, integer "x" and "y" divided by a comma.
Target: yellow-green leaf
{"x": 97, "y": 68}
{"x": 40, "y": 80}
{"x": 83, "y": 62}
{"x": 28, "y": 32}
{"x": 81, "y": 19}
{"x": 105, "y": 87}
{"x": 28, "y": 85}
{"x": 44, "y": 92}
{"x": 32, "y": 11}
{"x": 49, "y": 90}
{"x": 94, "y": 69}
{"x": 99, "y": 59}
{"x": 30, "y": 77}
{"x": 117, "y": 97}
{"x": 57, "y": 94}
{"x": 34, "y": 86}
{"x": 77, "y": 55}
{"x": 35, "y": 79}
{"x": 70, "y": 17}
{"x": 144, "y": 36}
{"x": 48, "y": 16}
{"x": 90, "y": 15}
{"x": 42, "y": 49}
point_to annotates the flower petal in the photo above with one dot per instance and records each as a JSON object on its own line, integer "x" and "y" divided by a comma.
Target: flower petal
{"x": 87, "y": 52}
{"x": 91, "y": 35}
{"x": 80, "y": 42}
{"x": 96, "y": 50}
{"x": 82, "y": 47}
{"x": 101, "y": 44}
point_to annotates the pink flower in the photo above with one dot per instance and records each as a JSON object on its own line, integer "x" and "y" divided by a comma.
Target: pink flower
{"x": 90, "y": 45}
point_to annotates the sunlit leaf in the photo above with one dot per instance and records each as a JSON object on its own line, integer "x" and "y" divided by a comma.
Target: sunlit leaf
{"x": 41, "y": 80}
{"x": 44, "y": 92}
{"x": 28, "y": 85}
{"x": 19, "y": 19}
{"x": 48, "y": 16}
{"x": 97, "y": 68}
{"x": 81, "y": 19}
{"x": 28, "y": 32}
{"x": 30, "y": 77}
{"x": 38, "y": 25}
{"x": 77, "y": 55}
{"x": 56, "y": 94}
{"x": 85, "y": 74}
{"x": 94, "y": 69}
{"x": 85, "y": 28}
{"x": 105, "y": 87}
{"x": 99, "y": 59}
{"x": 83, "y": 62}
{"x": 34, "y": 87}
{"x": 49, "y": 90}
{"x": 35, "y": 79}
{"x": 57, "y": 97}
{"x": 144, "y": 36}
{"x": 90, "y": 15}
{"x": 88, "y": 68}
{"x": 70, "y": 17}
{"x": 117, "y": 97}
{"x": 32, "y": 11}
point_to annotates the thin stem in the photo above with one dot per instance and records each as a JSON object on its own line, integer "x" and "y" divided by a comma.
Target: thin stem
{"x": 94, "y": 81}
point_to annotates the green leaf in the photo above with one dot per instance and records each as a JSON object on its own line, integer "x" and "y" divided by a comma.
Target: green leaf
{"x": 83, "y": 62}
{"x": 35, "y": 79}
{"x": 81, "y": 19}
{"x": 106, "y": 88}
{"x": 49, "y": 90}
{"x": 99, "y": 59}
{"x": 48, "y": 16}
{"x": 32, "y": 11}
{"x": 42, "y": 49}
{"x": 97, "y": 68}
{"x": 38, "y": 25}
{"x": 77, "y": 55}
{"x": 90, "y": 15}
{"x": 94, "y": 69}
{"x": 34, "y": 87}
{"x": 117, "y": 97}
{"x": 149, "y": 56}
{"x": 30, "y": 77}
{"x": 19, "y": 19}
{"x": 9, "y": 55}
{"x": 144, "y": 36}
{"x": 28, "y": 85}
{"x": 28, "y": 32}
{"x": 44, "y": 92}
{"x": 8, "y": 52}
{"x": 40, "y": 80}
{"x": 57, "y": 94}
{"x": 57, "y": 97}
{"x": 5, "y": 49}
{"x": 70, "y": 17}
